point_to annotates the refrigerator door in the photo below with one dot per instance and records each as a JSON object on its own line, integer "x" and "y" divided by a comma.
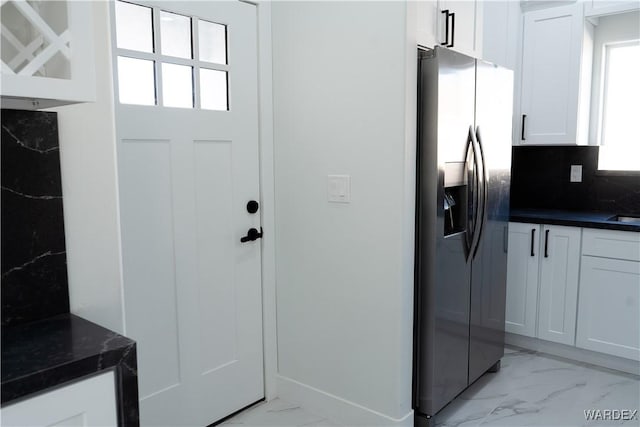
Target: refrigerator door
{"x": 494, "y": 106}
{"x": 446, "y": 111}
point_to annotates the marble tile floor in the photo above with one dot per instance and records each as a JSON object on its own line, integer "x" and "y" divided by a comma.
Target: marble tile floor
{"x": 534, "y": 389}
{"x": 531, "y": 389}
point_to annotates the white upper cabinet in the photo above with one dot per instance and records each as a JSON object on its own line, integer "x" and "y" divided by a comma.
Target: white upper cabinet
{"x": 427, "y": 22}
{"x": 556, "y": 76}
{"x": 501, "y": 30}
{"x": 609, "y": 7}
{"x": 456, "y": 25}
{"x": 465, "y": 26}
{"x": 47, "y": 53}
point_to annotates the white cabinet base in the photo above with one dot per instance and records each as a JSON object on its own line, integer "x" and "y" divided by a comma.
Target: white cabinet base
{"x": 89, "y": 402}
{"x": 585, "y": 297}
{"x": 573, "y": 353}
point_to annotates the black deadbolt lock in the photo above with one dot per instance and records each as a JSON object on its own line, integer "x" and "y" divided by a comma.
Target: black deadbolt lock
{"x": 252, "y": 206}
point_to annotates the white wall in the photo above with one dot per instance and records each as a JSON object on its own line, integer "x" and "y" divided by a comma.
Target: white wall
{"x": 89, "y": 185}
{"x": 344, "y": 94}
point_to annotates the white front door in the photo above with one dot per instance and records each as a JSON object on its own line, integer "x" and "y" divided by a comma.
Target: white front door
{"x": 188, "y": 164}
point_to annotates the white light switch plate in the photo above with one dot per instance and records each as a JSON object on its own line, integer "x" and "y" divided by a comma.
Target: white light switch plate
{"x": 576, "y": 173}
{"x": 339, "y": 188}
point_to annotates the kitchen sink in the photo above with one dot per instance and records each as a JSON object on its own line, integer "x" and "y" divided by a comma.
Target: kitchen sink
{"x": 625, "y": 219}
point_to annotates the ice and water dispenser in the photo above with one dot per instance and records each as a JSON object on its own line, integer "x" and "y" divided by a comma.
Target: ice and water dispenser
{"x": 455, "y": 198}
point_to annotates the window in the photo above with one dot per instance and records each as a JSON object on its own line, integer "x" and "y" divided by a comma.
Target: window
{"x": 158, "y": 62}
{"x": 620, "y": 148}
{"x": 616, "y": 92}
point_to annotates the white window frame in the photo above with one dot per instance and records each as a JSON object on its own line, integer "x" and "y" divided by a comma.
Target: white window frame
{"x": 158, "y": 59}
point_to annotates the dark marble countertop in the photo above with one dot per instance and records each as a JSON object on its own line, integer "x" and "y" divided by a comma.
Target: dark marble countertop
{"x": 571, "y": 218}
{"x": 51, "y": 352}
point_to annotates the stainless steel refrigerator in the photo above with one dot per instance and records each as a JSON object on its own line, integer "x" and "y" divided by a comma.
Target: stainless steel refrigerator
{"x": 462, "y": 213}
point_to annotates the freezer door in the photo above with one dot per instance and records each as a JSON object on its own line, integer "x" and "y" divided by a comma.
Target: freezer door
{"x": 446, "y": 113}
{"x": 494, "y": 106}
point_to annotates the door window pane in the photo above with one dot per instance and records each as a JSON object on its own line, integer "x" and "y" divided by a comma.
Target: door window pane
{"x": 213, "y": 42}
{"x": 136, "y": 81}
{"x": 134, "y": 27}
{"x": 177, "y": 86}
{"x": 175, "y": 35}
{"x": 213, "y": 90}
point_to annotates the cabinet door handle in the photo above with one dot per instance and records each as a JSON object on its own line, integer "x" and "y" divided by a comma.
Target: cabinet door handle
{"x": 524, "y": 117}
{"x": 546, "y": 244}
{"x": 446, "y": 28}
{"x": 533, "y": 237}
{"x": 453, "y": 28}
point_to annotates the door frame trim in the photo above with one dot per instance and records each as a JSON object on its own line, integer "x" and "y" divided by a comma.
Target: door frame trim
{"x": 267, "y": 196}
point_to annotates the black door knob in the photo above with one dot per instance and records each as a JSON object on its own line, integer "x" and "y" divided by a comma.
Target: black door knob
{"x": 252, "y": 206}
{"x": 252, "y": 234}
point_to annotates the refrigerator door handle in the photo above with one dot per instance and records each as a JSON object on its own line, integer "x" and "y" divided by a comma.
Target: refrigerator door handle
{"x": 484, "y": 193}
{"x": 470, "y": 193}
{"x": 474, "y": 199}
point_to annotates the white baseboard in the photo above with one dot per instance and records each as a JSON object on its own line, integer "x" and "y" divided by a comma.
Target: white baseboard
{"x": 334, "y": 408}
{"x": 574, "y": 353}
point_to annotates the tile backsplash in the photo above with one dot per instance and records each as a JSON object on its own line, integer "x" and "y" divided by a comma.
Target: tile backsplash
{"x": 34, "y": 267}
{"x": 540, "y": 179}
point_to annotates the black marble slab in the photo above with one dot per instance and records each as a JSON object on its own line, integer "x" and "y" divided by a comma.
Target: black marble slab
{"x": 540, "y": 180}
{"x": 34, "y": 266}
{"x": 47, "y": 353}
{"x": 572, "y": 219}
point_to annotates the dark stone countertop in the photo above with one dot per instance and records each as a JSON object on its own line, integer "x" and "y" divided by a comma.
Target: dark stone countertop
{"x": 51, "y": 352}
{"x": 571, "y": 218}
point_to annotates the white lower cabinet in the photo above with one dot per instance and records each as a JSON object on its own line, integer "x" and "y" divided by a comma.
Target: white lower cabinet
{"x": 522, "y": 279}
{"x": 90, "y": 402}
{"x": 559, "y": 273}
{"x": 609, "y": 306}
{"x": 542, "y": 281}
{"x": 574, "y": 286}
